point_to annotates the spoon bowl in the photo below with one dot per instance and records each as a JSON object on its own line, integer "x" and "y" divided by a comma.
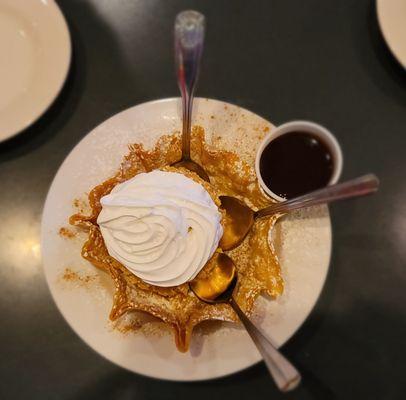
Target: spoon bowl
{"x": 194, "y": 167}
{"x": 238, "y": 222}
{"x": 218, "y": 287}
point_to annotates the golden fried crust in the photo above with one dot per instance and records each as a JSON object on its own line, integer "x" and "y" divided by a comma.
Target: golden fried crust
{"x": 257, "y": 263}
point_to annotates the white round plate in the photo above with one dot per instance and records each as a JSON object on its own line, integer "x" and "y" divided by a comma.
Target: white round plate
{"x": 305, "y": 250}
{"x": 392, "y": 21}
{"x": 36, "y": 51}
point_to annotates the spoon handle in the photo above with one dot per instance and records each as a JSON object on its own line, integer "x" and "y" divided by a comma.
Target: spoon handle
{"x": 189, "y": 38}
{"x": 360, "y": 186}
{"x": 283, "y": 372}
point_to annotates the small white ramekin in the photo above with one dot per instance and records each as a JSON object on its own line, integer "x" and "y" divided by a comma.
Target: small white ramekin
{"x": 302, "y": 126}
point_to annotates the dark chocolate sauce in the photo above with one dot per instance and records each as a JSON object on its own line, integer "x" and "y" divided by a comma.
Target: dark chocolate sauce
{"x": 296, "y": 163}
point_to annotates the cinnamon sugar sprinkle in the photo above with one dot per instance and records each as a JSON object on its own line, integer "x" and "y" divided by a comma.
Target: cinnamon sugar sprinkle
{"x": 72, "y": 276}
{"x": 66, "y": 233}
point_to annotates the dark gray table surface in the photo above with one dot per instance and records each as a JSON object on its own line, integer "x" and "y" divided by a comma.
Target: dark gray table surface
{"x": 322, "y": 60}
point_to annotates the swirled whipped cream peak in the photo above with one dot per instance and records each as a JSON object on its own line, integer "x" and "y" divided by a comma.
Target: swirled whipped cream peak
{"x": 161, "y": 225}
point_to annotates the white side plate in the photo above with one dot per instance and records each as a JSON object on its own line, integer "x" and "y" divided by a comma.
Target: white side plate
{"x": 392, "y": 21}
{"x": 305, "y": 250}
{"x": 35, "y": 57}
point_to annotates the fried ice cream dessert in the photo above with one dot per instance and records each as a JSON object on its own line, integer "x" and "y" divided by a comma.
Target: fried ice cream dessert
{"x": 154, "y": 228}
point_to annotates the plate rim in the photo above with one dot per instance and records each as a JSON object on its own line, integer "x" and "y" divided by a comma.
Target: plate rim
{"x": 183, "y": 378}
{"x": 58, "y": 89}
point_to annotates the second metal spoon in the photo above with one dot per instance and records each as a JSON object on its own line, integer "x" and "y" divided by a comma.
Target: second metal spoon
{"x": 240, "y": 218}
{"x": 218, "y": 287}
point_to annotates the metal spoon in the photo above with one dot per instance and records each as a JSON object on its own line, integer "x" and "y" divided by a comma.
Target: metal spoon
{"x": 218, "y": 288}
{"x": 189, "y": 37}
{"x": 240, "y": 218}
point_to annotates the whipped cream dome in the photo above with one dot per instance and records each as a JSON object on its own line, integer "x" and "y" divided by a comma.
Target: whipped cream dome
{"x": 160, "y": 225}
